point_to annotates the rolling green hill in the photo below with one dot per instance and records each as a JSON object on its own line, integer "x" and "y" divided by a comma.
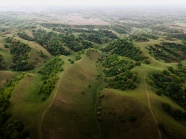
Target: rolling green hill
{"x": 122, "y": 80}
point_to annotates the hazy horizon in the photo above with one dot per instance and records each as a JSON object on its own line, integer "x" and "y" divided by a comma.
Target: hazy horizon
{"x": 94, "y": 3}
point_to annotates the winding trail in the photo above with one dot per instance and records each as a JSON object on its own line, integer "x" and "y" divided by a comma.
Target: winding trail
{"x": 149, "y": 104}
{"x": 44, "y": 113}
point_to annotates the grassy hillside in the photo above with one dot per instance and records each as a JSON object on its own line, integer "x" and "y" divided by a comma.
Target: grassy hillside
{"x": 73, "y": 108}
{"x": 26, "y": 99}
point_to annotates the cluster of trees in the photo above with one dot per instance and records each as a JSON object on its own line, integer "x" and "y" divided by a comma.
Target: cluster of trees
{"x": 180, "y": 72}
{"x": 61, "y": 30}
{"x": 19, "y": 52}
{"x": 175, "y": 113}
{"x": 150, "y": 36}
{"x": 56, "y": 43}
{"x": 180, "y": 36}
{"x": 9, "y": 128}
{"x": 117, "y": 71}
{"x": 107, "y": 33}
{"x": 169, "y": 83}
{"x": 76, "y": 43}
{"x": 49, "y": 76}
{"x": 165, "y": 130}
{"x": 169, "y": 52}
{"x": 10, "y": 22}
{"x": 25, "y": 36}
{"x": 67, "y": 26}
{"x": 122, "y": 29}
{"x": 159, "y": 54}
{"x": 87, "y": 31}
{"x": 116, "y": 64}
{"x": 71, "y": 61}
{"x": 102, "y": 32}
{"x": 126, "y": 80}
{"x": 2, "y": 64}
{"x": 51, "y": 41}
{"x": 100, "y": 36}
{"x": 139, "y": 38}
{"x": 96, "y": 38}
{"x": 80, "y": 30}
{"x": 175, "y": 46}
{"x": 165, "y": 29}
{"x": 78, "y": 57}
{"x": 124, "y": 47}
{"x": 41, "y": 54}
{"x": 143, "y": 37}
{"x": 51, "y": 25}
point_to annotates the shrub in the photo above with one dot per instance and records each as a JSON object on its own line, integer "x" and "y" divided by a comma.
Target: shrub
{"x": 166, "y": 107}
{"x": 165, "y": 130}
{"x": 132, "y": 118}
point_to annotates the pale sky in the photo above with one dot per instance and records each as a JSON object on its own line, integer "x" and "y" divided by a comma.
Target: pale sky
{"x": 93, "y": 2}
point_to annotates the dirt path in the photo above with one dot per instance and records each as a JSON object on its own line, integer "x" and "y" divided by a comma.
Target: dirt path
{"x": 44, "y": 113}
{"x": 149, "y": 104}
